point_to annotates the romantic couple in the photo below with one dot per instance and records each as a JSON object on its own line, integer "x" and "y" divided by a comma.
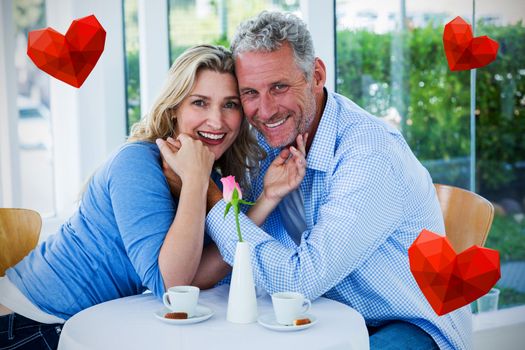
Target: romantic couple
{"x": 339, "y": 197}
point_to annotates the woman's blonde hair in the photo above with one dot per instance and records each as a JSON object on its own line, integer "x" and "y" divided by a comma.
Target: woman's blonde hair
{"x": 242, "y": 158}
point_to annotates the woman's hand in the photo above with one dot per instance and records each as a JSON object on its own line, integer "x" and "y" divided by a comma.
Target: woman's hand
{"x": 192, "y": 162}
{"x": 286, "y": 171}
{"x": 283, "y": 176}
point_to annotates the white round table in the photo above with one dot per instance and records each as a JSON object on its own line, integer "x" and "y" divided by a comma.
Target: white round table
{"x": 129, "y": 323}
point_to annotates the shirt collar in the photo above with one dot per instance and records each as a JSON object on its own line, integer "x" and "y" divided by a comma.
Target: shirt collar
{"x": 322, "y": 149}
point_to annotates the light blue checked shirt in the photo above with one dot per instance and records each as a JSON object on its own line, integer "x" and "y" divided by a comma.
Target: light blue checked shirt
{"x": 366, "y": 199}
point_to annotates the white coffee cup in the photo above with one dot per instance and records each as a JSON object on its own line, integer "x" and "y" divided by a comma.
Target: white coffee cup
{"x": 289, "y": 306}
{"x": 182, "y": 299}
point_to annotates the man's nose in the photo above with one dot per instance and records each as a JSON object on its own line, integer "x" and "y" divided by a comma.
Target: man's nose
{"x": 267, "y": 107}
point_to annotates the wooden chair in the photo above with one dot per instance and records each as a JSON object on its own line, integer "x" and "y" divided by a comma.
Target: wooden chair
{"x": 19, "y": 233}
{"x": 467, "y": 215}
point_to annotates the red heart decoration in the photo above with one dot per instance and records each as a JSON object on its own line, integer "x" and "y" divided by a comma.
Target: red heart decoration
{"x": 465, "y": 52}
{"x": 68, "y": 58}
{"x": 449, "y": 280}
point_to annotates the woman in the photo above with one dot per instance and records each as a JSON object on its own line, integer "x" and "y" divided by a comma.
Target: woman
{"x": 129, "y": 234}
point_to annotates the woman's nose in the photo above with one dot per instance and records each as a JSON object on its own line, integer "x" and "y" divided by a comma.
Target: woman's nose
{"x": 215, "y": 118}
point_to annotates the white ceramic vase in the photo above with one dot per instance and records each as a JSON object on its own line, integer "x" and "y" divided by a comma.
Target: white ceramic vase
{"x": 242, "y": 302}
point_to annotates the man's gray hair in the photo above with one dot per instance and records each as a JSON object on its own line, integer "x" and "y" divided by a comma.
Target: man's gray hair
{"x": 268, "y": 31}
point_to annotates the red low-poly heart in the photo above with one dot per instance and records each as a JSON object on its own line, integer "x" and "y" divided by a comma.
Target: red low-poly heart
{"x": 449, "y": 280}
{"x": 72, "y": 57}
{"x": 465, "y": 52}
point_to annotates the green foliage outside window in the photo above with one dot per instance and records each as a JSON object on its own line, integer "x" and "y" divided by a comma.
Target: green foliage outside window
{"x": 435, "y": 107}
{"x": 29, "y": 15}
{"x": 501, "y": 102}
{"x": 133, "y": 87}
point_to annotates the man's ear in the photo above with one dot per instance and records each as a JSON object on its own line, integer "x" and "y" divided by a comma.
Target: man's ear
{"x": 319, "y": 76}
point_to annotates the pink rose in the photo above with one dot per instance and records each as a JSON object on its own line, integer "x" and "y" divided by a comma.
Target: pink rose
{"x": 228, "y": 189}
{"x": 228, "y": 185}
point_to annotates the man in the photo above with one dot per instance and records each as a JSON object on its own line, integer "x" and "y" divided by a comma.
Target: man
{"x": 345, "y": 232}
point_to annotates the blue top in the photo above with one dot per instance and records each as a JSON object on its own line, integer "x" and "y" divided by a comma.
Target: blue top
{"x": 109, "y": 248}
{"x": 366, "y": 199}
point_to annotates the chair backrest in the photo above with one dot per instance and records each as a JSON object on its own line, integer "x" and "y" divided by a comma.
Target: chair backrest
{"x": 19, "y": 233}
{"x": 468, "y": 216}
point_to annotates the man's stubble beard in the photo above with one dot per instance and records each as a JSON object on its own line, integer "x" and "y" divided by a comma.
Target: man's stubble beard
{"x": 305, "y": 123}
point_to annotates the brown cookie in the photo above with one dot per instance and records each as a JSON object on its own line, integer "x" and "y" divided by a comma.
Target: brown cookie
{"x": 176, "y": 315}
{"x": 301, "y": 321}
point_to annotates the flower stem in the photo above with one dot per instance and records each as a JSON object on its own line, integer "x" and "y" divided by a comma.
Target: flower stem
{"x": 237, "y": 222}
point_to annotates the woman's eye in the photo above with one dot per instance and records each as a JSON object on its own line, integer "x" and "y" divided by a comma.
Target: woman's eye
{"x": 199, "y": 103}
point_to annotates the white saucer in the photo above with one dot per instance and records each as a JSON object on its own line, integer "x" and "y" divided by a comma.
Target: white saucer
{"x": 268, "y": 321}
{"x": 202, "y": 313}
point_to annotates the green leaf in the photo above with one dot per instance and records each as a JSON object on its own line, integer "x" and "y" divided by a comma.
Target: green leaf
{"x": 227, "y": 209}
{"x": 235, "y": 194}
{"x": 242, "y": 201}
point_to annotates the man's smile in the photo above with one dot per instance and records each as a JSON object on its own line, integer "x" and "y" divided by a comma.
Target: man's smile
{"x": 276, "y": 124}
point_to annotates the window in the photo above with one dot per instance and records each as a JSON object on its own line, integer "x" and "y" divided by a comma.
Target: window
{"x": 500, "y": 151}
{"x": 64, "y": 133}
{"x": 390, "y": 60}
{"x": 34, "y": 119}
{"x": 193, "y": 22}
{"x": 131, "y": 43}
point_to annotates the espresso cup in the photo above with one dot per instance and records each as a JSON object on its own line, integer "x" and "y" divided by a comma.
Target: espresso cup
{"x": 182, "y": 299}
{"x": 289, "y": 306}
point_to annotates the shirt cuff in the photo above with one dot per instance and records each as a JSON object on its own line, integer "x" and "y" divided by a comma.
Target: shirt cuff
{"x": 222, "y": 230}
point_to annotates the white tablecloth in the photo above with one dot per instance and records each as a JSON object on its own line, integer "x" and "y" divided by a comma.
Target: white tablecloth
{"x": 129, "y": 323}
